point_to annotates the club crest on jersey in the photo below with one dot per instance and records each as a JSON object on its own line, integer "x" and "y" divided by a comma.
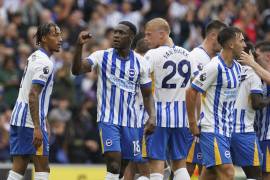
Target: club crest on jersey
{"x": 108, "y": 142}
{"x": 132, "y": 73}
{"x": 46, "y": 70}
{"x": 227, "y": 154}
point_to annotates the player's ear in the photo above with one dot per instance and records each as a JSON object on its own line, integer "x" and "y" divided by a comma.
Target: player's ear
{"x": 43, "y": 39}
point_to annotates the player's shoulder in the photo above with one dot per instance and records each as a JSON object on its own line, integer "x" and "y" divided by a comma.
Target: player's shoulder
{"x": 101, "y": 52}
{"x": 198, "y": 52}
{"x": 40, "y": 57}
{"x": 215, "y": 61}
{"x": 181, "y": 50}
{"x": 138, "y": 56}
{"x": 141, "y": 59}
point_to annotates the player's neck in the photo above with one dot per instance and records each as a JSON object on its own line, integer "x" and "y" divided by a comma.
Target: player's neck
{"x": 45, "y": 50}
{"x": 227, "y": 57}
{"x": 123, "y": 53}
{"x": 208, "y": 47}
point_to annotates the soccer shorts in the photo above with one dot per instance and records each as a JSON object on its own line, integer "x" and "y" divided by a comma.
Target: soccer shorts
{"x": 167, "y": 143}
{"x": 194, "y": 150}
{"x": 21, "y": 139}
{"x": 245, "y": 149}
{"x": 215, "y": 149}
{"x": 265, "y": 147}
{"x": 121, "y": 139}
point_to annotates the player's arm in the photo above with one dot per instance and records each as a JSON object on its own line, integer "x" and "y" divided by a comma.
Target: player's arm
{"x": 199, "y": 85}
{"x": 80, "y": 66}
{"x": 248, "y": 59}
{"x": 191, "y": 103}
{"x": 149, "y": 105}
{"x": 258, "y": 101}
{"x": 34, "y": 112}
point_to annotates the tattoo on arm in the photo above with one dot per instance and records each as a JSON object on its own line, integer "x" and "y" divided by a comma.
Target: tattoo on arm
{"x": 34, "y": 103}
{"x": 79, "y": 66}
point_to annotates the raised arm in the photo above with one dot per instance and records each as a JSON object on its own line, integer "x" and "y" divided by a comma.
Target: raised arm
{"x": 34, "y": 112}
{"x": 149, "y": 105}
{"x": 248, "y": 59}
{"x": 191, "y": 103}
{"x": 80, "y": 66}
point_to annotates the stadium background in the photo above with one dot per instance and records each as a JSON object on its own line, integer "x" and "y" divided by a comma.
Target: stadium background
{"x": 72, "y": 116}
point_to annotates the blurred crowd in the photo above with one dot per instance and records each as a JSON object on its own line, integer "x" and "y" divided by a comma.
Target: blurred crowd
{"x": 72, "y": 114}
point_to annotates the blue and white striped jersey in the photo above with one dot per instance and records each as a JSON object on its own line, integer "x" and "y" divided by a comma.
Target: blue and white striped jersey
{"x": 198, "y": 59}
{"x": 244, "y": 114}
{"x": 219, "y": 86}
{"x": 263, "y": 117}
{"x": 119, "y": 81}
{"x": 171, "y": 71}
{"x": 39, "y": 70}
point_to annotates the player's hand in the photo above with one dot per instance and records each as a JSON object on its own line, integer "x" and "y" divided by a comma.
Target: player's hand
{"x": 84, "y": 36}
{"x": 194, "y": 130}
{"x": 150, "y": 126}
{"x": 38, "y": 137}
{"x": 246, "y": 59}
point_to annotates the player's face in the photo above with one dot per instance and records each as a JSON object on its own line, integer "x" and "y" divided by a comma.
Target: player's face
{"x": 239, "y": 45}
{"x": 121, "y": 37}
{"x": 151, "y": 37}
{"x": 54, "y": 39}
{"x": 263, "y": 58}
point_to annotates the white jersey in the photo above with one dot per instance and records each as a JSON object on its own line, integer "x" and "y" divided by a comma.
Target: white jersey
{"x": 171, "y": 70}
{"x": 263, "y": 117}
{"x": 244, "y": 114}
{"x": 119, "y": 81}
{"x": 39, "y": 70}
{"x": 143, "y": 115}
{"x": 219, "y": 86}
{"x": 198, "y": 59}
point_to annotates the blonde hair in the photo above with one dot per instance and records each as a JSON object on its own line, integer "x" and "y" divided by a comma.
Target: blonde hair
{"x": 160, "y": 24}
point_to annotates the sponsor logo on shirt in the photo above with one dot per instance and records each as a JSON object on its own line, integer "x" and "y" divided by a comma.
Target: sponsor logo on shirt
{"x": 124, "y": 84}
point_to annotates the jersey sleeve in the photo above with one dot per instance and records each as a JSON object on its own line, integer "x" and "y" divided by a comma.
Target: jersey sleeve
{"x": 193, "y": 66}
{"x": 255, "y": 84}
{"x": 149, "y": 57}
{"x": 206, "y": 77}
{"x": 41, "y": 72}
{"x": 94, "y": 58}
{"x": 145, "y": 78}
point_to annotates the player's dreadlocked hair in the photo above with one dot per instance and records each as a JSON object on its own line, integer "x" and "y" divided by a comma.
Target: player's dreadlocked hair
{"x": 42, "y": 31}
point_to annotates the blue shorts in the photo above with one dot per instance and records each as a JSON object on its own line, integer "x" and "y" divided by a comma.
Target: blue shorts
{"x": 215, "y": 149}
{"x": 265, "y": 147}
{"x": 21, "y": 139}
{"x": 245, "y": 149}
{"x": 194, "y": 150}
{"x": 167, "y": 143}
{"x": 121, "y": 139}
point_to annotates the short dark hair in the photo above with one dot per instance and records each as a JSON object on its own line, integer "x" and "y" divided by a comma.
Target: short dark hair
{"x": 263, "y": 46}
{"x": 43, "y": 30}
{"x": 141, "y": 46}
{"x": 227, "y": 34}
{"x": 214, "y": 25}
{"x": 131, "y": 26}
